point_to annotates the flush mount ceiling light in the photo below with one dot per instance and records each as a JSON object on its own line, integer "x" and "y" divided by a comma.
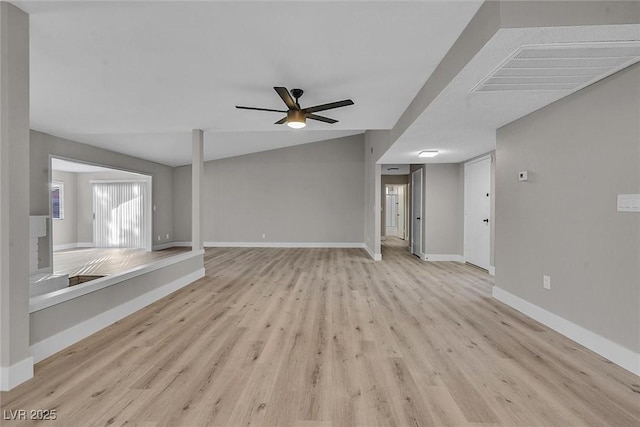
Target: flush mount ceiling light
{"x": 428, "y": 153}
{"x": 296, "y": 119}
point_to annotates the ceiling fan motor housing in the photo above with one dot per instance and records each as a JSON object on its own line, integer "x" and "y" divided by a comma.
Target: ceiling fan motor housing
{"x": 297, "y": 93}
{"x": 296, "y": 116}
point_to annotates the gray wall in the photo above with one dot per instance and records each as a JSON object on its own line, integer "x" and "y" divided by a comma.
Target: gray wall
{"x": 43, "y": 145}
{"x": 58, "y": 318}
{"x": 444, "y": 209}
{"x": 580, "y": 153}
{"x": 65, "y": 229}
{"x": 305, "y": 193}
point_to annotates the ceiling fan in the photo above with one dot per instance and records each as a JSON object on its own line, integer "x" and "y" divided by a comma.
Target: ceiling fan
{"x": 297, "y": 116}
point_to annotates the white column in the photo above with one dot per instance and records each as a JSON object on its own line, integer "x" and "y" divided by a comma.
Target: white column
{"x": 197, "y": 177}
{"x": 16, "y": 363}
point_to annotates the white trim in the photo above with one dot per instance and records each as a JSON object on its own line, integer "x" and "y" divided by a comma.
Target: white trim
{"x": 16, "y": 374}
{"x": 41, "y": 302}
{"x": 443, "y": 257}
{"x": 61, "y": 340}
{"x": 65, "y": 246}
{"x": 492, "y": 270}
{"x": 479, "y": 159}
{"x": 616, "y": 353}
{"x": 120, "y": 181}
{"x": 162, "y": 246}
{"x": 283, "y": 245}
{"x": 168, "y": 245}
{"x": 414, "y": 206}
{"x": 374, "y": 256}
{"x": 85, "y": 245}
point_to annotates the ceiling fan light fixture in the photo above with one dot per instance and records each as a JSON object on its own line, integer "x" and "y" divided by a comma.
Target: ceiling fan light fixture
{"x": 428, "y": 153}
{"x": 296, "y": 119}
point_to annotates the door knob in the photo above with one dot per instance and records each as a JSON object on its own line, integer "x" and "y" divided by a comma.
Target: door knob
{"x": 485, "y": 220}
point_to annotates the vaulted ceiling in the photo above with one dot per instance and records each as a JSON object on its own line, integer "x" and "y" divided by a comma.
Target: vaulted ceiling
{"x": 136, "y": 77}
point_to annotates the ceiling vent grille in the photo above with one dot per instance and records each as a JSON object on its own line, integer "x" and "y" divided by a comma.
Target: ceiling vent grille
{"x": 561, "y": 67}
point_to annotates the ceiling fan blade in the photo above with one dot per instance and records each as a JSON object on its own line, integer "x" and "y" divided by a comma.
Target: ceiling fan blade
{"x": 260, "y": 109}
{"x": 281, "y": 121}
{"x": 321, "y": 118}
{"x": 286, "y": 97}
{"x": 329, "y": 106}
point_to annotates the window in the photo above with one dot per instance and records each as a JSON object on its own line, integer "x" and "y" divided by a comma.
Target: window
{"x": 57, "y": 200}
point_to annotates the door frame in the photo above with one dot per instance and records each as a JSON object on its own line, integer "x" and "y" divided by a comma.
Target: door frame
{"x": 465, "y": 231}
{"x": 414, "y": 206}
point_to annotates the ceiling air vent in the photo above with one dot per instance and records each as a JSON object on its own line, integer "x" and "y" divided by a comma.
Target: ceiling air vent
{"x": 564, "y": 67}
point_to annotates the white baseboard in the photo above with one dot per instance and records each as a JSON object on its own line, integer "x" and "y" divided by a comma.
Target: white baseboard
{"x": 442, "y": 257}
{"x": 283, "y": 245}
{"x": 85, "y": 245}
{"x": 168, "y": 245}
{"x": 61, "y": 340}
{"x": 616, "y": 353}
{"x": 492, "y": 270}
{"x": 16, "y": 374}
{"x": 162, "y": 246}
{"x": 374, "y": 256}
{"x": 65, "y": 247}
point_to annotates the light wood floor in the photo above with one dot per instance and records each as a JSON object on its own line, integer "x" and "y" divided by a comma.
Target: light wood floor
{"x": 327, "y": 337}
{"x": 106, "y": 261}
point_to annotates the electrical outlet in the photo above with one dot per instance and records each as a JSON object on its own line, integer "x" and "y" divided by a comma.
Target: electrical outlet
{"x": 264, "y": 236}
{"x": 158, "y": 237}
{"x": 546, "y": 282}
{"x": 167, "y": 236}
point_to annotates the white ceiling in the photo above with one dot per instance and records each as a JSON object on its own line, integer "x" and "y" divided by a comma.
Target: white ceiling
{"x": 136, "y": 77}
{"x": 461, "y": 124}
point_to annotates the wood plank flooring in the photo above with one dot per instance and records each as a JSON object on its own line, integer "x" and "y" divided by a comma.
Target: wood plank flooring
{"x": 327, "y": 337}
{"x": 106, "y": 261}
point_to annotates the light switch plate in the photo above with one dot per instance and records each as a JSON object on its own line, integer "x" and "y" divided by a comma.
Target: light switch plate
{"x": 628, "y": 202}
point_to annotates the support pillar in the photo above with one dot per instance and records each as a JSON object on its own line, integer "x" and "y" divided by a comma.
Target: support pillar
{"x": 16, "y": 363}
{"x": 197, "y": 178}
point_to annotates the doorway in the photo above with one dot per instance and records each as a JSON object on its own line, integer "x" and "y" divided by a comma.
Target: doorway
{"x": 416, "y": 213}
{"x": 396, "y": 210}
{"x": 121, "y": 217}
{"x": 477, "y": 212}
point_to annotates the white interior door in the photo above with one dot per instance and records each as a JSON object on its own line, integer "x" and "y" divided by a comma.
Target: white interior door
{"x": 416, "y": 213}
{"x": 119, "y": 214}
{"x": 477, "y": 210}
{"x": 401, "y": 214}
{"x": 391, "y": 210}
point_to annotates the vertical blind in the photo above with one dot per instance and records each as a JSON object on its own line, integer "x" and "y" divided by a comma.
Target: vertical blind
{"x": 119, "y": 214}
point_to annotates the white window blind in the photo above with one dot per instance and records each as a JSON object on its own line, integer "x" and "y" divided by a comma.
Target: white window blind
{"x": 119, "y": 214}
